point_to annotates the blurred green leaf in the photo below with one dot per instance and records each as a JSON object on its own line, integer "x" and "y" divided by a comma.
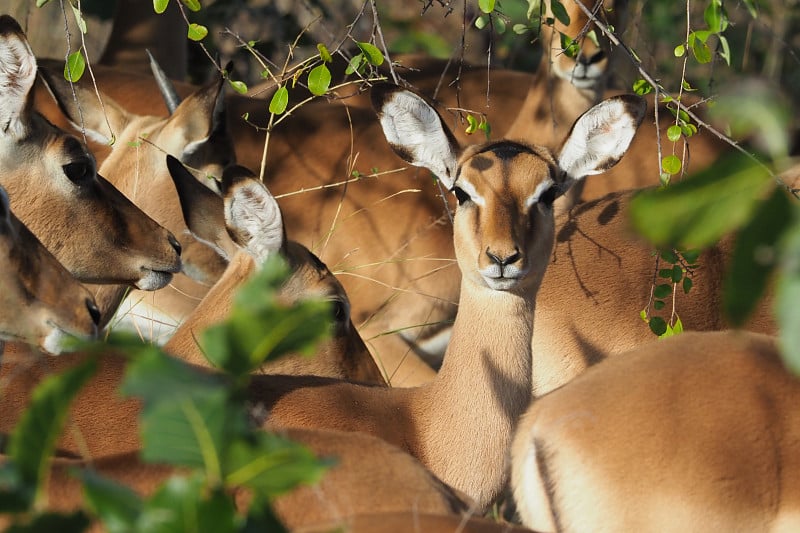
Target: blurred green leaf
{"x": 79, "y": 20}
{"x": 697, "y": 211}
{"x": 657, "y": 325}
{"x": 47, "y": 522}
{"x": 116, "y": 505}
{"x": 671, "y": 164}
{"x": 642, "y": 87}
{"x": 788, "y": 294}
{"x": 74, "y": 67}
{"x": 193, "y": 5}
{"x": 279, "y": 101}
{"x": 324, "y": 54}
{"x": 188, "y": 504}
{"x": 319, "y": 80}
{"x": 662, "y": 291}
{"x": 487, "y": 6}
{"x": 34, "y": 438}
{"x": 272, "y": 465}
{"x": 238, "y": 86}
{"x": 687, "y": 285}
{"x": 679, "y": 51}
{"x": 40, "y": 3}
{"x": 754, "y": 256}
{"x": 560, "y": 12}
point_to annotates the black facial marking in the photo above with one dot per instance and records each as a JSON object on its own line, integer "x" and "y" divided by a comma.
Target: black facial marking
{"x": 481, "y": 163}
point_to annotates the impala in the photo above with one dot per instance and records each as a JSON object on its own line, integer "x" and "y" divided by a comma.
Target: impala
{"x": 460, "y": 424}
{"x": 247, "y": 246}
{"x": 116, "y": 432}
{"x": 370, "y": 476}
{"x": 42, "y": 303}
{"x": 88, "y": 225}
{"x": 699, "y": 432}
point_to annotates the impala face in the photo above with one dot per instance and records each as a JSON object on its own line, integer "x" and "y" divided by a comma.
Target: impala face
{"x": 584, "y": 65}
{"x": 505, "y": 189}
{"x": 41, "y": 303}
{"x": 92, "y": 228}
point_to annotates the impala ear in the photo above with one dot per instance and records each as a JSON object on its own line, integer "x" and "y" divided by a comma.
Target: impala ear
{"x": 252, "y": 215}
{"x": 601, "y": 136}
{"x": 18, "y": 70}
{"x": 415, "y": 131}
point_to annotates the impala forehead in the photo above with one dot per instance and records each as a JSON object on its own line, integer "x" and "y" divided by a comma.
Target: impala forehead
{"x": 507, "y": 171}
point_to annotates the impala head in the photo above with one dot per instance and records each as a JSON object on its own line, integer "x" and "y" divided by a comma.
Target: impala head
{"x": 584, "y": 65}
{"x": 504, "y": 224}
{"x": 247, "y": 219}
{"x": 91, "y": 228}
{"x": 41, "y": 303}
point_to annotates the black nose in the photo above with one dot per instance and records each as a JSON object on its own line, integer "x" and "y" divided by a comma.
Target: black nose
{"x": 94, "y": 312}
{"x": 590, "y": 60}
{"x": 175, "y": 244}
{"x": 503, "y": 261}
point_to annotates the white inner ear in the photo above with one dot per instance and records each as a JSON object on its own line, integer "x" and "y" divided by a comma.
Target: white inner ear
{"x": 253, "y": 213}
{"x": 415, "y": 129}
{"x": 598, "y": 139}
{"x": 17, "y": 74}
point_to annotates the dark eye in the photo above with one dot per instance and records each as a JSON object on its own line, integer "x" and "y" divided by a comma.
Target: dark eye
{"x": 461, "y": 196}
{"x": 547, "y": 198}
{"x": 339, "y": 311}
{"x": 79, "y": 172}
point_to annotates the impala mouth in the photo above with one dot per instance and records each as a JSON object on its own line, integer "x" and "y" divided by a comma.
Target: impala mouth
{"x": 154, "y": 279}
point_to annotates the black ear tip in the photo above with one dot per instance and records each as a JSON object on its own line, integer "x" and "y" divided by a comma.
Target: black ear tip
{"x": 9, "y": 24}
{"x": 380, "y": 93}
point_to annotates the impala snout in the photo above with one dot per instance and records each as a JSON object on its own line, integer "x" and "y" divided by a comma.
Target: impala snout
{"x": 505, "y": 268}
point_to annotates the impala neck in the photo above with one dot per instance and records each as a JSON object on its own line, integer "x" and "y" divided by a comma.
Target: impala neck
{"x": 481, "y": 390}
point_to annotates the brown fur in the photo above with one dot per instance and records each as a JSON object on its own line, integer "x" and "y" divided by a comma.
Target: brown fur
{"x": 696, "y": 432}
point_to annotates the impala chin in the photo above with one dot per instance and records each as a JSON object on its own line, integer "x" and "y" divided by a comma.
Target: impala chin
{"x": 503, "y": 283}
{"x": 153, "y": 280}
{"x": 582, "y": 77}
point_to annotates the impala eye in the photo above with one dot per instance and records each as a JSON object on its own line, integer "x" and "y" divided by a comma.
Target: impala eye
{"x": 339, "y": 311}
{"x": 79, "y": 172}
{"x": 547, "y": 198}
{"x": 461, "y": 196}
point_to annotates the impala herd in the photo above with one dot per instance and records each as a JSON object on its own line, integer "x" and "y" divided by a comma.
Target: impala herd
{"x": 459, "y": 361}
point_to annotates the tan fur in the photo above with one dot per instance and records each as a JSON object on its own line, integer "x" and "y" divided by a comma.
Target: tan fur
{"x": 697, "y": 432}
{"x": 411, "y": 521}
{"x": 39, "y": 299}
{"x": 91, "y": 228}
{"x": 598, "y": 282}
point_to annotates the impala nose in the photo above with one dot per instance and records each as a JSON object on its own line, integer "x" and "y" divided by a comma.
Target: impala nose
{"x": 174, "y": 243}
{"x": 503, "y": 261}
{"x": 586, "y": 60}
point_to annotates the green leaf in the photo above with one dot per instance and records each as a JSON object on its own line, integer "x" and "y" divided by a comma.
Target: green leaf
{"x": 47, "y": 522}
{"x": 34, "y": 438}
{"x": 40, "y": 3}
{"x": 751, "y": 7}
{"x": 674, "y": 133}
{"x": 726, "y": 50}
{"x": 665, "y": 273}
{"x": 701, "y": 51}
{"x": 658, "y": 325}
{"x": 238, "y": 86}
{"x": 272, "y": 465}
{"x": 116, "y": 505}
{"x": 73, "y": 69}
{"x": 560, "y": 12}
{"x": 669, "y": 256}
{"x": 658, "y": 305}
{"x": 696, "y": 212}
{"x": 691, "y": 256}
{"x": 755, "y": 256}
{"x": 715, "y": 17}
{"x": 787, "y": 296}
{"x": 677, "y": 274}
{"x": 79, "y": 20}
{"x": 197, "y": 32}
{"x": 571, "y": 47}
{"x": 485, "y": 127}
{"x": 642, "y": 87}
{"x": 671, "y": 164}
{"x": 472, "y": 124}
{"x": 193, "y": 5}
{"x": 487, "y": 6}
{"x": 187, "y": 504}
{"x": 520, "y": 29}
{"x": 355, "y": 64}
{"x": 687, "y": 285}
{"x": 662, "y": 291}
{"x": 679, "y": 51}
{"x": 324, "y": 54}
{"x": 371, "y": 53}
{"x": 160, "y": 5}
{"x": 319, "y": 80}
{"x": 279, "y": 101}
